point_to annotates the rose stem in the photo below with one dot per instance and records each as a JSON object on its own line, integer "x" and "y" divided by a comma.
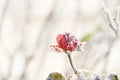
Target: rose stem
{"x": 72, "y": 65}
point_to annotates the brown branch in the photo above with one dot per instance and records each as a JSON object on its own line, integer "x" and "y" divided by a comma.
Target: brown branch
{"x": 73, "y": 66}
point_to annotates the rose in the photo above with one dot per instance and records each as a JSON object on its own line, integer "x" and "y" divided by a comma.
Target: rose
{"x": 67, "y": 42}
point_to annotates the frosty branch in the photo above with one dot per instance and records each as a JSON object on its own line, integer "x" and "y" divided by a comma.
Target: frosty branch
{"x": 113, "y": 21}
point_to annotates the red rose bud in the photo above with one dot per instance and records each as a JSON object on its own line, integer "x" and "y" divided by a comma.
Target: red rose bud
{"x": 66, "y": 42}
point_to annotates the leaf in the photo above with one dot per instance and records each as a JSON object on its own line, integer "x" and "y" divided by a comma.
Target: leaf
{"x": 112, "y": 76}
{"x": 86, "y": 37}
{"x": 55, "y": 76}
{"x": 115, "y": 77}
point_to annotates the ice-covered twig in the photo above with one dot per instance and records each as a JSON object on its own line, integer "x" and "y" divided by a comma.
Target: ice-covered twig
{"x": 113, "y": 21}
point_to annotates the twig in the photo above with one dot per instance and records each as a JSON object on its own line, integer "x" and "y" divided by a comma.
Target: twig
{"x": 117, "y": 18}
{"x": 73, "y": 66}
{"x": 113, "y": 22}
{"x": 108, "y": 53}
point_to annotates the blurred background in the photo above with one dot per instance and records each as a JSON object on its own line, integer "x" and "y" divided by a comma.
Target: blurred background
{"x": 28, "y": 27}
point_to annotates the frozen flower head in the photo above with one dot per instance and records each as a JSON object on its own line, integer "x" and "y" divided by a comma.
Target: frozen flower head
{"x": 67, "y": 42}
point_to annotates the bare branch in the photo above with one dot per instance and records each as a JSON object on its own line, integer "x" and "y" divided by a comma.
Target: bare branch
{"x": 112, "y": 23}
{"x": 73, "y": 66}
{"x": 117, "y": 18}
